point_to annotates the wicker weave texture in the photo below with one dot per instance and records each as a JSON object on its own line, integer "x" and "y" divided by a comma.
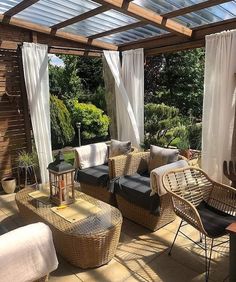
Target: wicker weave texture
{"x": 143, "y": 216}
{"x": 88, "y": 243}
{"x": 129, "y": 164}
{"x": 190, "y": 186}
{"x": 99, "y": 192}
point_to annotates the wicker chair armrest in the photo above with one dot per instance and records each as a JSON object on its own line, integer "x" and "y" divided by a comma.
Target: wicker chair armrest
{"x": 223, "y": 197}
{"x": 128, "y": 164}
{"x": 187, "y": 211}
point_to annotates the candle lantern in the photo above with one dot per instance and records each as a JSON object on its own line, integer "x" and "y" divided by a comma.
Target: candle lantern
{"x": 61, "y": 178}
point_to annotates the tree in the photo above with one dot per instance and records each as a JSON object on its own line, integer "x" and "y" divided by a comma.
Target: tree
{"x": 81, "y": 78}
{"x": 176, "y": 79}
{"x": 161, "y": 124}
{"x": 61, "y": 129}
{"x": 90, "y": 71}
{"x": 64, "y": 81}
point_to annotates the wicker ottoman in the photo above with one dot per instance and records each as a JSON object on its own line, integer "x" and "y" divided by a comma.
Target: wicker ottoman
{"x": 88, "y": 243}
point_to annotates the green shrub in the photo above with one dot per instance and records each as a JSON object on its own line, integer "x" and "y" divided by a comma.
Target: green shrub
{"x": 94, "y": 123}
{"x": 62, "y": 131}
{"x": 160, "y": 122}
{"x": 195, "y": 136}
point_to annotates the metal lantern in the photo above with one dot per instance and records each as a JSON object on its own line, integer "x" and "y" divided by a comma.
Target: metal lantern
{"x": 61, "y": 178}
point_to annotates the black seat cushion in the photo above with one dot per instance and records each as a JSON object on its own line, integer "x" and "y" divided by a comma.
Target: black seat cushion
{"x": 214, "y": 220}
{"x": 97, "y": 175}
{"x": 136, "y": 189}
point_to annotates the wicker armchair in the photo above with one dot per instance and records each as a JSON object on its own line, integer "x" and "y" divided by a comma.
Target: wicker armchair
{"x": 205, "y": 204}
{"x": 100, "y": 189}
{"x": 129, "y": 165}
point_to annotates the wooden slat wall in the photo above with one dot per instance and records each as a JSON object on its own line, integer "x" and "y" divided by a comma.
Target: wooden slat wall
{"x": 13, "y": 137}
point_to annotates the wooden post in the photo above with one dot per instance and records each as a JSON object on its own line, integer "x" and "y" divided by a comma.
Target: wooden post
{"x": 34, "y": 37}
{"x": 27, "y": 122}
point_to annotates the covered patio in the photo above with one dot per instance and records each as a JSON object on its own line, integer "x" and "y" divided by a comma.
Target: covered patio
{"x": 109, "y": 29}
{"x": 140, "y": 256}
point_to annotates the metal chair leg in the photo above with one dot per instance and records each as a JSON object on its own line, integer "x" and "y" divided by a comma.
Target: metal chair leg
{"x": 172, "y": 245}
{"x": 200, "y": 237}
{"x": 208, "y": 259}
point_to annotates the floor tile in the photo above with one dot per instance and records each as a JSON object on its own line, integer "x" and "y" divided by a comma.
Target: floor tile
{"x": 112, "y": 272}
{"x": 141, "y": 255}
{"x": 64, "y": 272}
{"x": 165, "y": 268}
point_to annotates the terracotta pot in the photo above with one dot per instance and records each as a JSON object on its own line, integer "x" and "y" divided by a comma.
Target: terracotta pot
{"x": 9, "y": 184}
{"x": 186, "y": 153}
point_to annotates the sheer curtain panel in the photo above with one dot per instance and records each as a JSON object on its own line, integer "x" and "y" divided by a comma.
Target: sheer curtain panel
{"x": 218, "y": 102}
{"x": 129, "y": 94}
{"x": 133, "y": 78}
{"x": 35, "y": 65}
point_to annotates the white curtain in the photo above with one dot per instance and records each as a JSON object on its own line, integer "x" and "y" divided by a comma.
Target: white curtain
{"x": 129, "y": 96}
{"x": 133, "y": 78}
{"x": 35, "y": 65}
{"x": 219, "y": 102}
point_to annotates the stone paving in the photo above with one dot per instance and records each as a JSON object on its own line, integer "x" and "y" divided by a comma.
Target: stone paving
{"x": 141, "y": 255}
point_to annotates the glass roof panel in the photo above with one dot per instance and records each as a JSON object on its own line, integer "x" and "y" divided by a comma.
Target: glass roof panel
{"x": 162, "y": 7}
{"x": 135, "y": 34}
{"x": 8, "y": 4}
{"x": 102, "y": 22}
{"x": 209, "y": 15}
{"x": 50, "y": 12}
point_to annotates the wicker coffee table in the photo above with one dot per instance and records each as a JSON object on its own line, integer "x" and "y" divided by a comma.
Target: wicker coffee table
{"x": 87, "y": 243}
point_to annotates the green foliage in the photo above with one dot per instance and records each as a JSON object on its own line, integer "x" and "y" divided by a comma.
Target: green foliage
{"x": 25, "y": 159}
{"x": 80, "y": 79}
{"x": 90, "y": 69}
{"x": 176, "y": 79}
{"x": 182, "y": 138}
{"x": 69, "y": 157}
{"x": 195, "y": 136}
{"x": 97, "y": 98}
{"x": 61, "y": 129}
{"x": 64, "y": 81}
{"x": 160, "y": 124}
{"x": 94, "y": 123}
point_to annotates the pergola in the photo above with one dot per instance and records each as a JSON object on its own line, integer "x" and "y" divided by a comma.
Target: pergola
{"x": 87, "y": 27}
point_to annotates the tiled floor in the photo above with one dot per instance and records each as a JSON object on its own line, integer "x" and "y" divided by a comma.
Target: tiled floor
{"x": 141, "y": 255}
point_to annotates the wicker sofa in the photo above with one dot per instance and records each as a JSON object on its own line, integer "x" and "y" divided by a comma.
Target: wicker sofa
{"x": 132, "y": 192}
{"x": 94, "y": 181}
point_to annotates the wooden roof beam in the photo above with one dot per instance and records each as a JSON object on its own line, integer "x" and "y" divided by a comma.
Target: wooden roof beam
{"x": 19, "y": 7}
{"x": 118, "y": 29}
{"x": 81, "y": 17}
{"x": 168, "y": 40}
{"x": 88, "y": 53}
{"x": 194, "y": 8}
{"x": 144, "y": 14}
{"x": 175, "y": 48}
{"x": 60, "y": 34}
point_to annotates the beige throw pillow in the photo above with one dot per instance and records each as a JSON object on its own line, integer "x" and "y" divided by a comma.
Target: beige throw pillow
{"x": 119, "y": 148}
{"x": 161, "y": 156}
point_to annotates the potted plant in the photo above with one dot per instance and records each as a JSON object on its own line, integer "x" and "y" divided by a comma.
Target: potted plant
{"x": 9, "y": 184}
{"x": 183, "y": 146}
{"x": 27, "y": 163}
